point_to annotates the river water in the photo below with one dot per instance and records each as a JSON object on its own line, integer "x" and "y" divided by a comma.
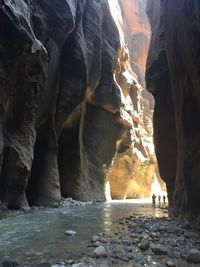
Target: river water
{"x": 39, "y": 236}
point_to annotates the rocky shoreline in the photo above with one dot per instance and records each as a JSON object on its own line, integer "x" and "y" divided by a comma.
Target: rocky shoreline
{"x": 138, "y": 241}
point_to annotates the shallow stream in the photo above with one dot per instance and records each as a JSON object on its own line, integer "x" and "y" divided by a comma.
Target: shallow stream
{"x": 39, "y": 236}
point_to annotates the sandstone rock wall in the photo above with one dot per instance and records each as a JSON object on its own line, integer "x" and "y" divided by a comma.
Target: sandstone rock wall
{"x": 173, "y": 78}
{"x": 133, "y": 168}
{"x": 137, "y": 34}
{"x": 60, "y": 106}
{"x": 70, "y": 102}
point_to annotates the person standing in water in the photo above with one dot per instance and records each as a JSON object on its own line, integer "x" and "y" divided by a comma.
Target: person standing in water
{"x": 154, "y": 200}
{"x": 164, "y": 199}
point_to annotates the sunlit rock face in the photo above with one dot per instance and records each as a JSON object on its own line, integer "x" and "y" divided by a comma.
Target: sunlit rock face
{"x": 133, "y": 168}
{"x": 137, "y": 34}
{"x": 173, "y": 78}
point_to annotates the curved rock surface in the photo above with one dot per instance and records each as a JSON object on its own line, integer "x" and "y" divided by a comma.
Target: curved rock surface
{"x": 137, "y": 34}
{"x": 70, "y": 104}
{"x": 133, "y": 168}
{"x": 173, "y": 78}
{"x": 57, "y": 60}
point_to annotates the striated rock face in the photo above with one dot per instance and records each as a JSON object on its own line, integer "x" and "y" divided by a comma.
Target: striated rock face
{"x": 137, "y": 34}
{"x": 59, "y": 103}
{"x": 133, "y": 168}
{"x": 173, "y": 78}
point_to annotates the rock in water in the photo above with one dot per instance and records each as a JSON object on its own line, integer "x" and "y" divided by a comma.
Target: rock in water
{"x": 70, "y": 232}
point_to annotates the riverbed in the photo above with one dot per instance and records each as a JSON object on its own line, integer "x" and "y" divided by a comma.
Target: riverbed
{"x": 39, "y": 235}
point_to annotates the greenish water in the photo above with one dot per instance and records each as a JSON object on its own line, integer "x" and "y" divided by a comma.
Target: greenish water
{"x": 39, "y": 236}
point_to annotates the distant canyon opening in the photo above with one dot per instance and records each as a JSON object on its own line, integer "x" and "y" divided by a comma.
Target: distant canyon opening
{"x": 134, "y": 170}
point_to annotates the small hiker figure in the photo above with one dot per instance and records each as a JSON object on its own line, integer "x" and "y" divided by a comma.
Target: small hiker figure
{"x": 159, "y": 199}
{"x": 154, "y": 200}
{"x": 164, "y": 199}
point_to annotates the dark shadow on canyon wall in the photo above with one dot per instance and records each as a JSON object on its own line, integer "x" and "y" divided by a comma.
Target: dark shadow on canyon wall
{"x": 173, "y": 77}
{"x": 59, "y": 102}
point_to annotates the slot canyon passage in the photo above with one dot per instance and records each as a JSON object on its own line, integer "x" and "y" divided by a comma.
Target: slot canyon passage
{"x": 87, "y": 88}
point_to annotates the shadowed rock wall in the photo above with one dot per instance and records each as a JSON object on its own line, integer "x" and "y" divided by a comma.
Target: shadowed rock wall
{"x": 174, "y": 79}
{"x": 59, "y": 103}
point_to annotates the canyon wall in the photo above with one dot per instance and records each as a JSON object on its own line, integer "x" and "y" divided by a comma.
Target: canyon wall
{"x": 137, "y": 34}
{"x": 173, "y": 78}
{"x": 60, "y": 105}
{"x": 133, "y": 168}
{"x": 71, "y": 107}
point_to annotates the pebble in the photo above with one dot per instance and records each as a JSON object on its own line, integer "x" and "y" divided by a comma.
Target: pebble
{"x": 159, "y": 249}
{"x": 194, "y": 256}
{"x": 144, "y": 244}
{"x": 100, "y": 252}
{"x": 70, "y": 232}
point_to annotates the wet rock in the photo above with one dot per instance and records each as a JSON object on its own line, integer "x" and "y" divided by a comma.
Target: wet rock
{"x": 58, "y": 265}
{"x": 194, "y": 256}
{"x": 159, "y": 249}
{"x": 144, "y": 244}
{"x": 70, "y": 233}
{"x": 100, "y": 252}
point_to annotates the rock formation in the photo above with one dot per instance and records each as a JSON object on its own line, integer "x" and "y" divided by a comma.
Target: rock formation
{"x": 59, "y": 100}
{"x": 173, "y": 78}
{"x": 70, "y": 104}
{"x": 133, "y": 168}
{"x": 137, "y": 34}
